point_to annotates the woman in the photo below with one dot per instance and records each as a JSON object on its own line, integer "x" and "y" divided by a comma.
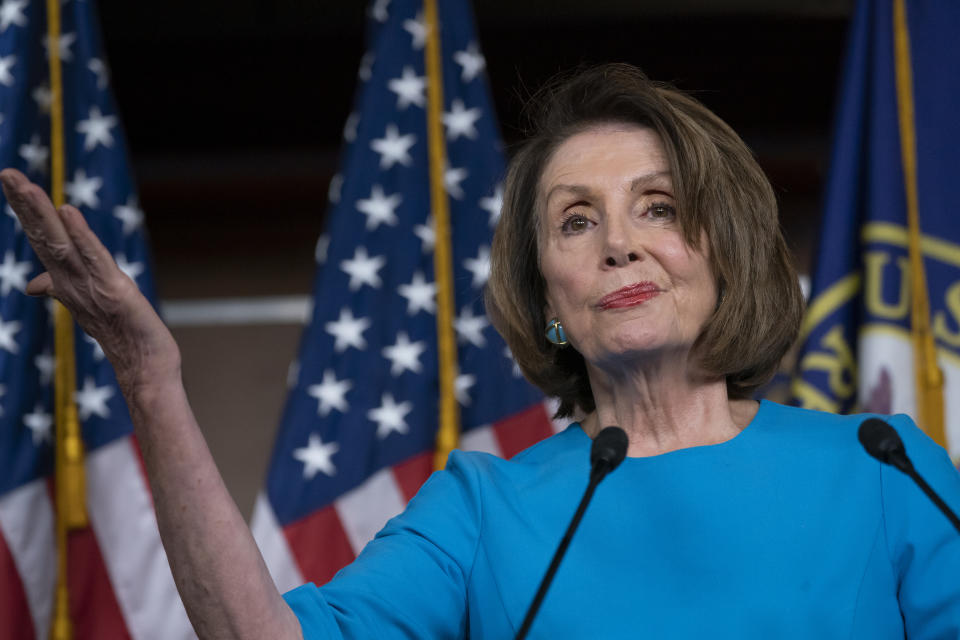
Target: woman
{"x": 638, "y": 229}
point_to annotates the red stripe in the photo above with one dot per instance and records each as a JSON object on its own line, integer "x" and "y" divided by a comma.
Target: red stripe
{"x": 412, "y": 473}
{"x": 521, "y": 430}
{"x": 14, "y": 611}
{"x": 93, "y": 605}
{"x": 319, "y": 545}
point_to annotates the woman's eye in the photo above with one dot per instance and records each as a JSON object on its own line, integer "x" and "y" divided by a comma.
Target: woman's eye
{"x": 575, "y": 224}
{"x": 662, "y": 211}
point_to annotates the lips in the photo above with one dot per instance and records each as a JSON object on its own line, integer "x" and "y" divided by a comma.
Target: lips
{"x": 629, "y": 296}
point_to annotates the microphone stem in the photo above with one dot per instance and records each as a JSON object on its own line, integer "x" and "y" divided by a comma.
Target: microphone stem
{"x": 927, "y": 489}
{"x": 595, "y": 479}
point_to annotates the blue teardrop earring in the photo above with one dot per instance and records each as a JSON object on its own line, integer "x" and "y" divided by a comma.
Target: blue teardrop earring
{"x": 555, "y": 333}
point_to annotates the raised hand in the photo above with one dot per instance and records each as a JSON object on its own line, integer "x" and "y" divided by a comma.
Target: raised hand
{"x": 83, "y": 276}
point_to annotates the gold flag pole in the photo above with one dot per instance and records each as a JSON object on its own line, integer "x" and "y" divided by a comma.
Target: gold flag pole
{"x": 448, "y": 433}
{"x": 68, "y": 447}
{"x": 929, "y": 378}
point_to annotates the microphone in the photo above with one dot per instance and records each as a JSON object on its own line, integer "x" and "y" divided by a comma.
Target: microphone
{"x": 883, "y": 443}
{"x": 608, "y": 451}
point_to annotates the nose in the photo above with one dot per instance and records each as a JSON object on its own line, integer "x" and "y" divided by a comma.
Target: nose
{"x": 620, "y": 247}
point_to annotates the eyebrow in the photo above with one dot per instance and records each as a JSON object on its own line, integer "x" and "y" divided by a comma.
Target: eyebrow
{"x": 644, "y": 180}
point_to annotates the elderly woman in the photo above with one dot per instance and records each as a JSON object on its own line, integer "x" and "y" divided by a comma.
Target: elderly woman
{"x": 639, "y": 274}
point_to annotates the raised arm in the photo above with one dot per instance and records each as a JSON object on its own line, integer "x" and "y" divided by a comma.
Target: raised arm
{"x": 222, "y": 579}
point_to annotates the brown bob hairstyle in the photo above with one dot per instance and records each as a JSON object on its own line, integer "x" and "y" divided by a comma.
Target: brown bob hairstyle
{"x": 720, "y": 191}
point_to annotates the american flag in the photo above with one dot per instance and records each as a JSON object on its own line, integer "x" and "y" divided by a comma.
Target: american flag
{"x": 357, "y": 435}
{"x": 118, "y": 576}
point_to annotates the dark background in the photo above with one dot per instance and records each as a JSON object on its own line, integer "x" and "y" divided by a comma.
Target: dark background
{"x": 234, "y": 112}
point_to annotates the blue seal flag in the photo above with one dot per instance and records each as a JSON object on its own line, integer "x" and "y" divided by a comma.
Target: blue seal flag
{"x": 882, "y": 331}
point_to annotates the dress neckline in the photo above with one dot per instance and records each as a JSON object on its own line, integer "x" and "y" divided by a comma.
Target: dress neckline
{"x": 739, "y": 440}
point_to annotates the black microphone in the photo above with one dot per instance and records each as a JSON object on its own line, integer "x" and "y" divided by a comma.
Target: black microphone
{"x": 608, "y": 451}
{"x": 883, "y": 443}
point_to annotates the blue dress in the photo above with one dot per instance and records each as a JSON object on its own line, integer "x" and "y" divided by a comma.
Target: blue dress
{"x": 789, "y": 530}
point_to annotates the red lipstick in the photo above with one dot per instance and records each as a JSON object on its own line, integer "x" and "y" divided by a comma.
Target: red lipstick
{"x": 629, "y": 296}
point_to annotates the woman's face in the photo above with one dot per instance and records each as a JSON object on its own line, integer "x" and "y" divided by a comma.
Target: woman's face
{"x": 619, "y": 275}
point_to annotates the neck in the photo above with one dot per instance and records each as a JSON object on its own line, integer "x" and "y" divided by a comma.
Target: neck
{"x": 665, "y": 408}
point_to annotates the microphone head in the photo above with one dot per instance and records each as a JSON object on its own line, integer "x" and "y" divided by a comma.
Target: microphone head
{"x": 609, "y": 448}
{"x": 883, "y": 443}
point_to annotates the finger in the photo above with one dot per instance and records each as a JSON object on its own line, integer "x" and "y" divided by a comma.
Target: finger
{"x": 94, "y": 255}
{"x": 40, "y": 222}
{"x": 42, "y": 285}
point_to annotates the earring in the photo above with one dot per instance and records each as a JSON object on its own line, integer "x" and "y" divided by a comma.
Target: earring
{"x": 555, "y": 333}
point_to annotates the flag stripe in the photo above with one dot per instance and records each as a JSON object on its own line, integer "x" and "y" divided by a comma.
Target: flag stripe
{"x": 517, "y": 432}
{"x": 411, "y": 474}
{"x": 363, "y": 511}
{"x": 14, "y": 611}
{"x": 93, "y": 606}
{"x": 320, "y": 544}
{"x": 481, "y": 439}
{"x": 273, "y": 546}
{"x": 26, "y": 520}
{"x": 122, "y": 515}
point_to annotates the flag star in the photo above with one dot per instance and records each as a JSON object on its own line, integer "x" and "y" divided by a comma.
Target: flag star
{"x": 362, "y": 269}
{"x": 452, "y": 177}
{"x": 13, "y": 214}
{"x": 35, "y": 154}
{"x": 6, "y": 62}
{"x": 323, "y": 246}
{"x": 366, "y": 65}
{"x": 129, "y": 214}
{"x": 470, "y": 327}
{"x": 336, "y": 186}
{"x": 11, "y": 12}
{"x": 45, "y": 363}
{"x": 378, "y": 10}
{"x": 350, "y": 127}
{"x": 389, "y": 416}
{"x": 316, "y": 456}
{"x": 348, "y": 331}
{"x": 98, "y": 354}
{"x": 426, "y": 234}
{"x": 7, "y": 329}
{"x": 404, "y": 355}
{"x": 393, "y": 147}
{"x": 417, "y": 28}
{"x": 409, "y": 88}
{"x": 471, "y": 61}
{"x": 419, "y": 294}
{"x": 83, "y": 190}
{"x": 461, "y": 387}
{"x": 330, "y": 393}
{"x": 42, "y": 96}
{"x": 517, "y": 373}
{"x": 64, "y": 42}
{"x": 493, "y": 204}
{"x": 460, "y": 120}
{"x": 100, "y": 70}
{"x": 96, "y": 129}
{"x": 379, "y": 208}
{"x": 13, "y": 274}
{"x": 39, "y": 423}
{"x": 479, "y": 267}
{"x": 92, "y": 400}
{"x": 131, "y": 269}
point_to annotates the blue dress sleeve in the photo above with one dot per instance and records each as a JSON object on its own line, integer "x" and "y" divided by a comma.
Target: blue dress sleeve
{"x": 924, "y": 546}
{"x": 410, "y": 580}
